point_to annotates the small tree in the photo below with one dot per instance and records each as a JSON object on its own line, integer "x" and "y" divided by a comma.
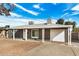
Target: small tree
{"x": 68, "y": 23}
{"x": 7, "y": 26}
{"x": 71, "y": 23}
{"x": 76, "y": 29}
{"x": 60, "y": 21}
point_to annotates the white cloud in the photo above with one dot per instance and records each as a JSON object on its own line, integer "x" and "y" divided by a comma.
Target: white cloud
{"x": 54, "y": 3}
{"x": 76, "y": 7}
{"x": 71, "y": 14}
{"x": 26, "y": 10}
{"x": 37, "y": 6}
{"x": 69, "y": 7}
{"x": 74, "y": 13}
{"x": 42, "y": 9}
{"x": 12, "y": 21}
{"x": 70, "y": 19}
{"x": 15, "y": 14}
{"x": 66, "y": 9}
{"x": 64, "y": 15}
{"x": 41, "y": 21}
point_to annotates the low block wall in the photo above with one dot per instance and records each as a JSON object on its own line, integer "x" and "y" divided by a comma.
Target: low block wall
{"x": 75, "y": 35}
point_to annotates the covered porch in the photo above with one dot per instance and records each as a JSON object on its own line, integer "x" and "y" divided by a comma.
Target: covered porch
{"x": 42, "y": 34}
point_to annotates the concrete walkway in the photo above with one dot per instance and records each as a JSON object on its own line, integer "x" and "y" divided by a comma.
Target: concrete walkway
{"x": 54, "y": 49}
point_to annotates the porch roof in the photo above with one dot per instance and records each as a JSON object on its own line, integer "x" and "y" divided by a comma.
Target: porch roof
{"x": 43, "y": 26}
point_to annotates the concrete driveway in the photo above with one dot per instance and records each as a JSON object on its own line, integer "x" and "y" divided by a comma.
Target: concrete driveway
{"x": 54, "y": 49}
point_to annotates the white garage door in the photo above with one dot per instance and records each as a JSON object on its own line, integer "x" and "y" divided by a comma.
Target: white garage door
{"x": 57, "y": 35}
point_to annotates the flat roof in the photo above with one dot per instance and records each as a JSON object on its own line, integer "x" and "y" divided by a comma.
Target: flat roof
{"x": 43, "y": 26}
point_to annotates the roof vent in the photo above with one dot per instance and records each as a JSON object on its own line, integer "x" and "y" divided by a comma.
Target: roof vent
{"x": 49, "y": 21}
{"x": 31, "y": 22}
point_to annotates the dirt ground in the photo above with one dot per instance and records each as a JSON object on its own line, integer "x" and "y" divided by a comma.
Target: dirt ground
{"x": 14, "y": 47}
{"x": 36, "y": 48}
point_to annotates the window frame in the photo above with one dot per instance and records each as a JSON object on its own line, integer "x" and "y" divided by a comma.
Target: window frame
{"x": 36, "y": 35}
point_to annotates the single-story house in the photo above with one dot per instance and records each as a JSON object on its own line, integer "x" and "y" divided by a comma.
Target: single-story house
{"x": 43, "y": 32}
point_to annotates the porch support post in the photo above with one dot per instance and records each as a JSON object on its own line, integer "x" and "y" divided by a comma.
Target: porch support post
{"x": 13, "y": 34}
{"x": 50, "y": 35}
{"x": 25, "y": 34}
{"x": 43, "y": 30}
{"x": 69, "y": 36}
{"x": 7, "y": 34}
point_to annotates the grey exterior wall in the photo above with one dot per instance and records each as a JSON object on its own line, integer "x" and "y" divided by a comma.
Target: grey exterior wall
{"x": 66, "y": 35}
{"x": 40, "y": 33}
{"x": 19, "y": 33}
{"x": 10, "y": 33}
{"x": 29, "y": 34}
{"x": 47, "y": 34}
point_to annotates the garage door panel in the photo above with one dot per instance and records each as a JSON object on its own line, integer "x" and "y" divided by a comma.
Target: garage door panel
{"x": 57, "y": 35}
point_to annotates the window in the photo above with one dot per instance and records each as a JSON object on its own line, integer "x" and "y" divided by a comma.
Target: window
{"x": 35, "y": 33}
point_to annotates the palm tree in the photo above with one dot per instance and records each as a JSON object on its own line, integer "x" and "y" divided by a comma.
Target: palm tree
{"x": 4, "y": 10}
{"x": 74, "y": 24}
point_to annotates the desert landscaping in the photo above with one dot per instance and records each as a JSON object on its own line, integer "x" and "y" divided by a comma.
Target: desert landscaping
{"x": 10, "y": 47}
{"x": 36, "y": 48}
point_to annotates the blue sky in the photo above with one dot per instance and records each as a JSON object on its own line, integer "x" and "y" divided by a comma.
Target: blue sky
{"x": 42, "y": 11}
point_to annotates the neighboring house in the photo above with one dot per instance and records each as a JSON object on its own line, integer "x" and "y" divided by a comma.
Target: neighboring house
{"x": 43, "y": 32}
{"x": 3, "y": 32}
